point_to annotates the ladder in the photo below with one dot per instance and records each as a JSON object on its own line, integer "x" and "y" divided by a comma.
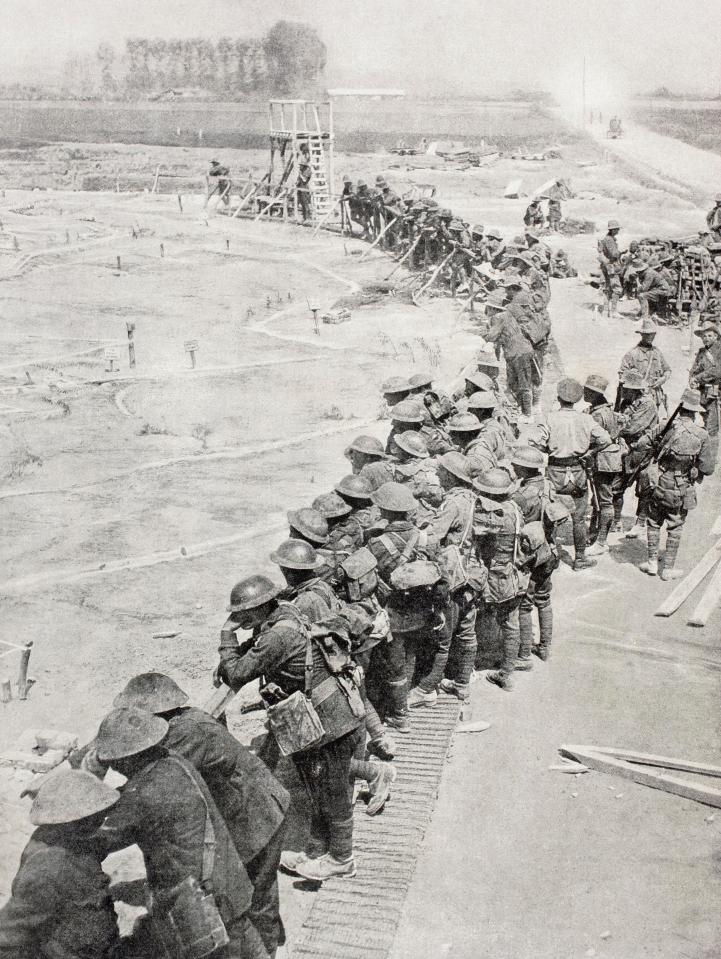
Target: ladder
{"x": 297, "y": 124}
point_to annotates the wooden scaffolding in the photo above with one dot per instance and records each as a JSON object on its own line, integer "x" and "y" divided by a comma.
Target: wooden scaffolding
{"x": 301, "y": 131}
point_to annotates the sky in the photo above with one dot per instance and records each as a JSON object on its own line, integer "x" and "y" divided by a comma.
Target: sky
{"x": 428, "y": 46}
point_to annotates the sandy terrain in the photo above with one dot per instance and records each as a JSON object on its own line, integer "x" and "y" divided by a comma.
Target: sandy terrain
{"x": 132, "y": 501}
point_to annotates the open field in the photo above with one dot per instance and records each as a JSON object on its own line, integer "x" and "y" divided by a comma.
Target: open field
{"x": 130, "y": 502}
{"x": 698, "y": 125}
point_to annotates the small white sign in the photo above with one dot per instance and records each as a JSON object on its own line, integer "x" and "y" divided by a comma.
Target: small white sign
{"x": 112, "y": 353}
{"x": 191, "y": 346}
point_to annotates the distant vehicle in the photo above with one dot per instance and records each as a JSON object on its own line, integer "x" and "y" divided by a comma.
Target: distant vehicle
{"x": 615, "y": 130}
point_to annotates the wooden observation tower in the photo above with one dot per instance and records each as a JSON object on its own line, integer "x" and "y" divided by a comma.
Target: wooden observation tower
{"x": 301, "y": 131}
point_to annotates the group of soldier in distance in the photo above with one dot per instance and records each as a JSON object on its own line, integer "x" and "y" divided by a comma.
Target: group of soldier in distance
{"x": 429, "y": 561}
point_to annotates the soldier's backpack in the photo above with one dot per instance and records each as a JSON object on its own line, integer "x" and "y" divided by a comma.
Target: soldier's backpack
{"x": 418, "y": 597}
{"x": 358, "y": 575}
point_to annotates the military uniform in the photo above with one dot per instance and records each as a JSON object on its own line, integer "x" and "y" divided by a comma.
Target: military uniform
{"x": 650, "y": 363}
{"x": 567, "y": 436}
{"x": 686, "y": 457}
{"x": 608, "y": 471}
{"x": 421, "y": 478}
{"x": 278, "y": 653}
{"x": 706, "y": 372}
{"x": 252, "y": 802}
{"x": 377, "y": 473}
{"x": 611, "y": 267}
{"x": 639, "y": 426}
{"x": 60, "y": 905}
{"x": 653, "y": 292}
{"x": 519, "y": 356}
{"x": 713, "y": 221}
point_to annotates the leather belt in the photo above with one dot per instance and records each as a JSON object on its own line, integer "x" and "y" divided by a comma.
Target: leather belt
{"x": 564, "y": 461}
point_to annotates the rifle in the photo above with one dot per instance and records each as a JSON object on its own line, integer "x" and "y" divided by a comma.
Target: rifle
{"x": 586, "y": 465}
{"x": 654, "y": 451}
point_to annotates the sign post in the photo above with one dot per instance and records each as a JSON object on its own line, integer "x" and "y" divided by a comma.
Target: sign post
{"x": 112, "y": 353}
{"x": 191, "y": 346}
{"x": 130, "y": 327}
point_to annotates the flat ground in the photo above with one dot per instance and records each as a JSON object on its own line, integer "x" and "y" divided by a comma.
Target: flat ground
{"x": 132, "y": 501}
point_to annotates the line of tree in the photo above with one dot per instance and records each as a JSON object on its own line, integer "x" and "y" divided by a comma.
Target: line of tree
{"x": 288, "y": 61}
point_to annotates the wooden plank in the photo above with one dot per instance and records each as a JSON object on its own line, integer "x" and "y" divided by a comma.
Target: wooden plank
{"x": 708, "y": 602}
{"x": 650, "y": 759}
{"x": 684, "y": 589}
{"x": 218, "y": 701}
{"x": 677, "y": 787}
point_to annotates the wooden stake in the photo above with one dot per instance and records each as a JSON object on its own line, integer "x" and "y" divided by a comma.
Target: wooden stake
{"x": 684, "y": 589}
{"x": 180, "y": 202}
{"x": 23, "y": 684}
{"x": 380, "y": 236}
{"x": 649, "y": 759}
{"x": 709, "y": 601}
{"x": 130, "y": 327}
{"x": 6, "y": 691}
{"x": 118, "y": 262}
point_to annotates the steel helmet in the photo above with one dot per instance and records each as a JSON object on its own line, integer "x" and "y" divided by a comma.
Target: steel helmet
{"x": 456, "y": 464}
{"x": 481, "y": 401}
{"x": 252, "y": 592}
{"x": 477, "y": 229}
{"x": 648, "y": 326}
{"x": 632, "y": 380}
{"x": 395, "y": 384}
{"x": 412, "y": 443}
{"x": 530, "y": 235}
{"x": 155, "y": 692}
{"x": 331, "y": 505}
{"x": 128, "y": 731}
{"x": 597, "y": 384}
{"x": 445, "y": 214}
{"x": 419, "y": 572}
{"x": 407, "y": 411}
{"x": 496, "y": 481}
{"x": 495, "y": 301}
{"x": 614, "y": 225}
{"x": 494, "y": 234}
{"x": 354, "y": 487}
{"x": 481, "y": 381}
{"x": 395, "y": 498}
{"x": 296, "y": 554}
{"x": 707, "y": 327}
{"x": 369, "y": 445}
{"x": 529, "y": 457}
{"x": 309, "y": 523}
{"x": 464, "y": 423}
{"x": 489, "y": 360}
{"x": 569, "y": 390}
{"x": 691, "y": 400}
{"x": 71, "y": 795}
{"x": 419, "y": 380}
{"x": 456, "y": 226}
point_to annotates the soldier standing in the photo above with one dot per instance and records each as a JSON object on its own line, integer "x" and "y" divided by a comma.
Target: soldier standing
{"x": 555, "y": 213}
{"x": 282, "y": 652}
{"x": 60, "y": 904}
{"x": 705, "y": 376}
{"x": 568, "y": 436}
{"x": 517, "y": 351}
{"x": 611, "y": 266}
{"x": 533, "y": 217}
{"x": 607, "y": 464}
{"x": 713, "y": 219}
{"x": 639, "y": 426}
{"x": 219, "y": 177}
{"x": 647, "y": 360}
{"x": 686, "y": 457}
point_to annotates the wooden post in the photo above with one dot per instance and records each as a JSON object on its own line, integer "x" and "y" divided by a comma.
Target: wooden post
{"x": 6, "y": 691}
{"x": 191, "y": 346}
{"x": 180, "y": 202}
{"x": 118, "y": 262}
{"x": 23, "y": 684}
{"x": 472, "y": 288}
{"x": 162, "y": 250}
{"x": 130, "y": 327}
{"x": 314, "y": 310}
{"x": 227, "y": 243}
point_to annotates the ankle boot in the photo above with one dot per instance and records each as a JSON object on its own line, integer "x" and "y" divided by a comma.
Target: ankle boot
{"x": 525, "y": 622}
{"x": 669, "y": 571}
{"x": 653, "y": 536}
{"x": 545, "y": 622}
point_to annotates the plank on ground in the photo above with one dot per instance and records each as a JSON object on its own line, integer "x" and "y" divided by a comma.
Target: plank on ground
{"x": 687, "y": 585}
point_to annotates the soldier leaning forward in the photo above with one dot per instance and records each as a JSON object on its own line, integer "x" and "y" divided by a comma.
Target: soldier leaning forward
{"x": 686, "y": 457}
{"x": 194, "y": 872}
{"x": 568, "y": 437}
{"x": 367, "y": 459}
{"x": 60, "y": 904}
{"x": 315, "y": 713}
{"x": 417, "y": 473}
{"x": 249, "y": 797}
{"x": 541, "y": 514}
{"x": 497, "y": 527}
{"x": 639, "y": 427}
{"x": 607, "y": 464}
{"x": 449, "y": 538}
{"x": 705, "y": 376}
{"x": 411, "y": 602}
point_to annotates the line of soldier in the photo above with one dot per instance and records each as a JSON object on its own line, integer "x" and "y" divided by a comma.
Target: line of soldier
{"x": 398, "y": 584}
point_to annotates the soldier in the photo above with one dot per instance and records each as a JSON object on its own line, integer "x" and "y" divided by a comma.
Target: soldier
{"x": 607, "y": 464}
{"x": 219, "y": 177}
{"x": 473, "y": 382}
{"x": 494, "y": 246}
{"x": 639, "y": 426}
{"x": 713, "y": 219}
{"x": 435, "y": 430}
{"x": 303, "y": 189}
{"x": 60, "y": 904}
{"x": 413, "y": 626}
{"x": 653, "y": 291}
{"x": 517, "y": 351}
{"x": 555, "y": 213}
{"x": 610, "y": 258}
{"x": 497, "y": 527}
{"x": 685, "y": 459}
{"x": 283, "y": 652}
{"x": 532, "y": 498}
{"x": 361, "y": 208}
{"x": 705, "y": 376}
{"x": 395, "y": 389}
{"x": 561, "y": 267}
{"x": 300, "y": 565}
{"x": 368, "y": 459}
{"x": 465, "y": 431}
{"x": 167, "y": 811}
{"x": 535, "y": 324}
{"x": 420, "y": 384}
{"x": 533, "y": 217}
{"x": 538, "y": 248}
{"x": 568, "y": 436}
{"x": 462, "y": 260}
{"x": 414, "y": 471}
{"x": 406, "y": 415}
{"x": 308, "y": 525}
{"x": 345, "y": 535}
{"x": 479, "y": 243}
{"x": 647, "y": 360}
{"x": 483, "y": 406}
{"x": 248, "y": 796}
{"x": 453, "y": 527}
{"x": 357, "y": 491}
{"x": 506, "y": 411}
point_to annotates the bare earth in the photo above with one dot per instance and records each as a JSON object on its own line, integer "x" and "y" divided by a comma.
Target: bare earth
{"x": 132, "y": 501}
